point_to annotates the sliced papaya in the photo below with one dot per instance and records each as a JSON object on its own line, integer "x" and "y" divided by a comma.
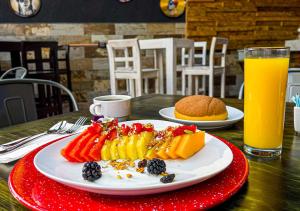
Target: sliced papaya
{"x": 95, "y": 151}
{"x": 86, "y": 150}
{"x": 190, "y": 144}
{"x": 65, "y": 152}
{"x": 74, "y": 152}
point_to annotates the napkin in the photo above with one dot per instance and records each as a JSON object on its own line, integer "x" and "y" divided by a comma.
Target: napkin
{"x": 19, "y": 153}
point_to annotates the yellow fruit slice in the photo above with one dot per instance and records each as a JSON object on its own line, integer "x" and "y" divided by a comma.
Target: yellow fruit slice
{"x": 105, "y": 151}
{"x": 161, "y": 152}
{"x": 141, "y": 145}
{"x": 131, "y": 147}
{"x": 122, "y": 147}
{"x": 170, "y": 150}
{"x": 190, "y": 144}
{"x": 151, "y": 153}
{"x": 114, "y": 149}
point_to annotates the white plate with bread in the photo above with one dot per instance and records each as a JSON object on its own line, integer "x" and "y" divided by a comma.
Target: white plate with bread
{"x": 203, "y": 111}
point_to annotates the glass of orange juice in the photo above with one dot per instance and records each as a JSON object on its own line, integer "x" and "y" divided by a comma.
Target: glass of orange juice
{"x": 266, "y": 72}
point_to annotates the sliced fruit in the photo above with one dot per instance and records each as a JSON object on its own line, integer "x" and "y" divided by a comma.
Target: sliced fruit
{"x": 190, "y": 144}
{"x": 161, "y": 152}
{"x": 171, "y": 149}
{"x": 114, "y": 149}
{"x": 95, "y": 152}
{"x": 141, "y": 145}
{"x": 75, "y": 149}
{"x": 131, "y": 147}
{"x": 105, "y": 151}
{"x": 86, "y": 150}
{"x": 65, "y": 152}
{"x": 79, "y": 147}
{"x": 122, "y": 147}
{"x": 152, "y": 152}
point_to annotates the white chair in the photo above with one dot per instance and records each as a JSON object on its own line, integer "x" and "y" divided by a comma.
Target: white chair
{"x": 199, "y": 60}
{"x": 212, "y": 69}
{"x": 20, "y": 73}
{"x": 128, "y": 67}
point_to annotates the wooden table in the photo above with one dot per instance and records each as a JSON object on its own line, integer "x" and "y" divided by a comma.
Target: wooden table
{"x": 272, "y": 184}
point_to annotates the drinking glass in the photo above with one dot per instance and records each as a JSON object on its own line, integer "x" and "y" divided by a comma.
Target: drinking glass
{"x": 266, "y": 72}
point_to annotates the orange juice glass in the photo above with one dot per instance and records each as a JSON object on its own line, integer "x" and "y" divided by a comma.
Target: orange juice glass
{"x": 266, "y": 71}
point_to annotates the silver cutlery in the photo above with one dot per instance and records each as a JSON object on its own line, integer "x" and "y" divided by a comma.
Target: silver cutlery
{"x": 59, "y": 128}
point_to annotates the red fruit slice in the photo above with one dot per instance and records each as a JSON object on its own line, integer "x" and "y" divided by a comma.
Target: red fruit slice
{"x": 86, "y": 150}
{"x": 79, "y": 147}
{"x": 65, "y": 152}
{"x": 95, "y": 152}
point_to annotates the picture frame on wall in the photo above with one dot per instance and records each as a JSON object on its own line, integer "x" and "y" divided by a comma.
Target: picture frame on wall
{"x": 25, "y": 8}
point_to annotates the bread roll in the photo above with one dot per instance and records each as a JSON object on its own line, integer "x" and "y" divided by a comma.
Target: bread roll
{"x": 200, "y": 108}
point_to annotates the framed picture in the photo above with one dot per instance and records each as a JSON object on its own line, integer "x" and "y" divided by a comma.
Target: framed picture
{"x": 25, "y": 8}
{"x": 172, "y": 8}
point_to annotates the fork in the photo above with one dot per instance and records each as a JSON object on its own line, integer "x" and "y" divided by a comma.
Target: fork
{"x": 60, "y": 130}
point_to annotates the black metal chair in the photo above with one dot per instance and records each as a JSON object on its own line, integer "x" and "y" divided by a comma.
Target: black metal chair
{"x": 17, "y": 100}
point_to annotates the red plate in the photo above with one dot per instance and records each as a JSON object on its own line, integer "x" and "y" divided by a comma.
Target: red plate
{"x": 37, "y": 192}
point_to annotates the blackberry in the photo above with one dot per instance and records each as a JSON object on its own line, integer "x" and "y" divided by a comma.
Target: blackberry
{"x": 156, "y": 166}
{"x": 168, "y": 178}
{"x": 91, "y": 171}
{"x": 142, "y": 163}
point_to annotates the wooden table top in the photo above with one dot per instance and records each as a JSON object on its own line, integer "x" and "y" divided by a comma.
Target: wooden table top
{"x": 272, "y": 184}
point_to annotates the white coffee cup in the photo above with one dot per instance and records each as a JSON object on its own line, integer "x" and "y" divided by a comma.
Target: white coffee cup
{"x": 112, "y": 106}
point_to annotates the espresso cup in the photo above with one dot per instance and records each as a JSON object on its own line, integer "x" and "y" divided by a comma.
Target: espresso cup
{"x": 112, "y": 106}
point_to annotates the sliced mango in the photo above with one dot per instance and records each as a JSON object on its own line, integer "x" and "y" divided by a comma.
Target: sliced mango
{"x": 190, "y": 144}
{"x": 114, "y": 149}
{"x": 122, "y": 147}
{"x": 131, "y": 147}
{"x": 161, "y": 152}
{"x": 141, "y": 145}
{"x": 105, "y": 151}
{"x": 171, "y": 149}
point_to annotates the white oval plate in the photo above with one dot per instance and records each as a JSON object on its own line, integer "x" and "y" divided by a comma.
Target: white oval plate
{"x": 234, "y": 115}
{"x": 209, "y": 161}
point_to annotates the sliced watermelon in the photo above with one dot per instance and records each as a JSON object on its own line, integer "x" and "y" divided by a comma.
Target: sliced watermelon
{"x": 65, "y": 152}
{"x": 95, "y": 152}
{"x": 86, "y": 150}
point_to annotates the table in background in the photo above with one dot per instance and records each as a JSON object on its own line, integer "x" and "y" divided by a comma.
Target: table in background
{"x": 272, "y": 185}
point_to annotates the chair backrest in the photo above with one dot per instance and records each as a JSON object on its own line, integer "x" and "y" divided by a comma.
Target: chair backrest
{"x": 216, "y": 53}
{"x": 17, "y": 100}
{"x": 19, "y": 73}
{"x": 124, "y": 55}
{"x": 17, "y": 104}
{"x": 40, "y": 57}
{"x": 197, "y": 56}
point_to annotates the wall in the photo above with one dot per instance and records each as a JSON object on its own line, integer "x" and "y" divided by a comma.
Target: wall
{"x": 89, "y": 65}
{"x": 246, "y": 23}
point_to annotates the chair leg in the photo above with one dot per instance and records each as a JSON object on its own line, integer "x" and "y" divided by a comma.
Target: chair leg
{"x": 196, "y": 84}
{"x": 138, "y": 87}
{"x": 204, "y": 84}
{"x": 113, "y": 86}
{"x": 183, "y": 83}
{"x": 127, "y": 86}
{"x": 146, "y": 85}
{"x": 223, "y": 84}
{"x": 190, "y": 86}
{"x": 211, "y": 85}
{"x": 157, "y": 85}
{"x": 131, "y": 88}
